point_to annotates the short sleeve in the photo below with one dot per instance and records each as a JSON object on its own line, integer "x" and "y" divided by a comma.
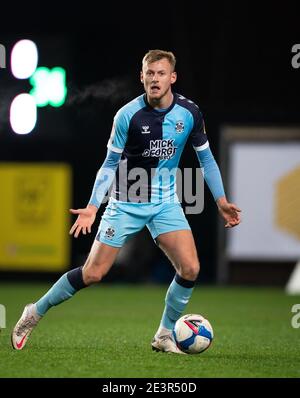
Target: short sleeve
{"x": 119, "y": 133}
{"x": 198, "y": 133}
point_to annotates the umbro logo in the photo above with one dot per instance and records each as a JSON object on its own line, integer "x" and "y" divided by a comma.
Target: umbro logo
{"x": 145, "y": 130}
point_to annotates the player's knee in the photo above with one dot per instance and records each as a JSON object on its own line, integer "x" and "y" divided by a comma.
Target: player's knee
{"x": 91, "y": 277}
{"x": 190, "y": 271}
{"x": 93, "y": 274}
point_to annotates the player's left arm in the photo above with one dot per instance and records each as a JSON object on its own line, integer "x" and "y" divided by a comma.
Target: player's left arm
{"x": 229, "y": 211}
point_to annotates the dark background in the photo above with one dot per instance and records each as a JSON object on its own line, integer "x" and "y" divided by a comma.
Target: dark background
{"x": 233, "y": 60}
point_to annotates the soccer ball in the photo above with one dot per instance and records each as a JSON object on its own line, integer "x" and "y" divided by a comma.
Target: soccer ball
{"x": 193, "y": 333}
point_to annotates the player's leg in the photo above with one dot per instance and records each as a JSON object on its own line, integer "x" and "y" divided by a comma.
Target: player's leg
{"x": 98, "y": 263}
{"x": 179, "y": 246}
{"x": 118, "y": 223}
{"x": 170, "y": 229}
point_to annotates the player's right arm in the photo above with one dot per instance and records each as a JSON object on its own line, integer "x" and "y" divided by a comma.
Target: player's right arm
{"x": 104, "y": 178}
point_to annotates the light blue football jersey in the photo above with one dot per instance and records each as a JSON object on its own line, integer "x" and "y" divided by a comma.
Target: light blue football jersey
{"x": 151, "y": 142}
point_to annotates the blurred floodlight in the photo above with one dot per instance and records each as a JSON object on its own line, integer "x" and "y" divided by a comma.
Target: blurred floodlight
{"x": 49, "y": 86}
{"x": 23, "y": 114}
{"x": 24, "y": 59}
{"x": 40, "y": 83}
{"x": 58, "y": 90}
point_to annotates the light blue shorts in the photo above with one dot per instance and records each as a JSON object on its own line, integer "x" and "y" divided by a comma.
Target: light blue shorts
{"x": 122, "y": 220}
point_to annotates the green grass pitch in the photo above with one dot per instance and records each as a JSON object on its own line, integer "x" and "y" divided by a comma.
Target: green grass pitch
{"x": 105, "y": 331}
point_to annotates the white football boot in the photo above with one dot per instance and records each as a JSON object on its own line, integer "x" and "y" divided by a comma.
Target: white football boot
{"x": 165, "y": 343}
{"x": 24, "y": 327}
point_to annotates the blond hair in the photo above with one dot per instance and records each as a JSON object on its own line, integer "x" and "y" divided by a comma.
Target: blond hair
{"x": 157, "y": 55}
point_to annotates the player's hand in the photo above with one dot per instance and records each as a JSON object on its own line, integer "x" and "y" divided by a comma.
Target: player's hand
{"x": 230, "y": 212}
{"x": 85, "y": 220}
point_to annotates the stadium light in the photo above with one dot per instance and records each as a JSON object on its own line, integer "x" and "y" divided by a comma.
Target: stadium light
{"x": 49, "y": 86}
{"x": 23, "y": 114}
{"x": 24, "y": 59}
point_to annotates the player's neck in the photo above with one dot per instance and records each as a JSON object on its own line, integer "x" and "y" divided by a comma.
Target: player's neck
{"x": 161, "y": 103}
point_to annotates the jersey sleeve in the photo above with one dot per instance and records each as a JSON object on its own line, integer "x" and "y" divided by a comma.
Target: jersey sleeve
{"x": 198, "y": 133}
{"x": 207, "y": 162}
{"x": 105, "y": 177}
{"x": 119, "y": 133}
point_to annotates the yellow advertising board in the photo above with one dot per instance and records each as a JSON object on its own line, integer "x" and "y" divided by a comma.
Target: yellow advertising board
{"x": 35, "y": 219}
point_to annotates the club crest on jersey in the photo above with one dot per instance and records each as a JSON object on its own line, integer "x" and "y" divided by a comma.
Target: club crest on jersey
{"x": 109, "y": 233}
{"x": 179, "y": 127}
{"x": 163, "y": 149}
{"x": 145, "y": 130}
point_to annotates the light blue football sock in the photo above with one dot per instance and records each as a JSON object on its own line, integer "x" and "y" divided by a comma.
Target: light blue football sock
{"x": 177, "y": 297}
{"x": 61, "y": 291}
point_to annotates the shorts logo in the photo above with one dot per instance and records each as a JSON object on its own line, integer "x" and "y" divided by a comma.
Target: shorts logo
{"x": 179, "y": 126}
{"x": 109, "y": 233}
{"x": 163, "y": 149}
